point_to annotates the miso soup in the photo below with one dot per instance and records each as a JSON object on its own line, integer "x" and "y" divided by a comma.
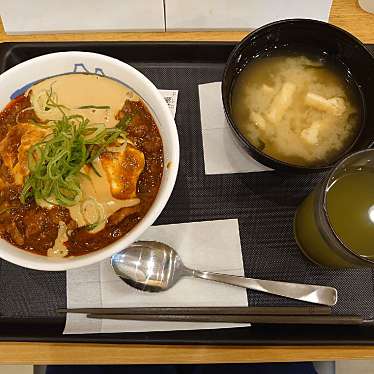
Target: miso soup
{"x": 296, "y": 109}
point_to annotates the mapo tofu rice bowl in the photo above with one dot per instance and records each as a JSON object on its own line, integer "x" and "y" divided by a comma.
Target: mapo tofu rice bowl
{"x": 88, "y": 159}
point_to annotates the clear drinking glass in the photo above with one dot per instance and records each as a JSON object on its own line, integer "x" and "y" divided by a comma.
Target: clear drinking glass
{"x": 334, "y": 225}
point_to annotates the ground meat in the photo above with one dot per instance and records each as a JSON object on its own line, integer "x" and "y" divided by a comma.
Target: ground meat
{"x": 152, "y": 145}
{"x": 34, "y": 221}
{"x": 5, "y": 173}
{"x": 82, "y": 241}
{"x": 59, "y": 213}
{"x": 27, "y": 226}
{"x": 121, "y": 214}
{"x": 13, "y": 112}
{"x": 140, "y": 130}
{"x": 15, "y": 234}
{"x": 35, "y": 229}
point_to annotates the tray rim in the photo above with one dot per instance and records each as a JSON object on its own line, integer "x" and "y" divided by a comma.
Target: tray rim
{"x": 6, "y": 48}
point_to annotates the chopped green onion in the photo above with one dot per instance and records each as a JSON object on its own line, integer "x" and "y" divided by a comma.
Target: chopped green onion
{"x": 90, "y": 227}
{"x": 55, "y": 163}
{"x": 95, "y": 170}
{"x": 94, "y": 107}
{"x": 99, "y": 213}
{"x": 120, "y": 148}
{"x": 124, "y": 122}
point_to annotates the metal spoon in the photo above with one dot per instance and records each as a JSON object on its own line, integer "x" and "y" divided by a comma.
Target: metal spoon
{"x": 153, "y": 266}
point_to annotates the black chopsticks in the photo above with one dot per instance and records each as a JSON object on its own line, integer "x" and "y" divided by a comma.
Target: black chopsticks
{"x": 247, "y": 311}
{"x": 261, "y": 319}
{"x": 311, "y": 315}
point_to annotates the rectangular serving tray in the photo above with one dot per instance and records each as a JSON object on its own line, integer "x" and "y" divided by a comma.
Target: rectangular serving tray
{"x": 264, "y": 204}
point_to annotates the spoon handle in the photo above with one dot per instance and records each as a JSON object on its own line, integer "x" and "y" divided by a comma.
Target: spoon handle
{"x": 304, "y": 292}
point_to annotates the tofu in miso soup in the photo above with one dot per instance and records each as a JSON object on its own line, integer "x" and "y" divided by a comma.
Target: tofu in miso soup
{"x": 296, "y": 109}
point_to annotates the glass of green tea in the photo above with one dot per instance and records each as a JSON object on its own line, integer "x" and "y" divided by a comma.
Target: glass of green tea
{"x": 334, "y": 226}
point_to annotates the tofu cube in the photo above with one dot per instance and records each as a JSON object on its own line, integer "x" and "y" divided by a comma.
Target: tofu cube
{"x": 258, "y": 120}
{"x": 267, "y": 89}
{"x": 310, "y": 135}
{"x": 281, "y": 102}
{"x": 335, "y": 106}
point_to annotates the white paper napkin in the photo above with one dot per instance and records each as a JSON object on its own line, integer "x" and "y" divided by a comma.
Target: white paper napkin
{"x": 222, "y": 152}
{"x": 210, "y": 245}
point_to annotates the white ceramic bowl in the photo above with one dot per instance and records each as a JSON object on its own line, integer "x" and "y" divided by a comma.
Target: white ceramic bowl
{"x": 15, "y": 80}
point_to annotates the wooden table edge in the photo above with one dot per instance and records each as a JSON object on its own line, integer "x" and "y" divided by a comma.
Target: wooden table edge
{"x": 64, "y": 353}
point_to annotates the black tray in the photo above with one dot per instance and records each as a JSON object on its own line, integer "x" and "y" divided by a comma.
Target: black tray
{"x": 264, "y": 203}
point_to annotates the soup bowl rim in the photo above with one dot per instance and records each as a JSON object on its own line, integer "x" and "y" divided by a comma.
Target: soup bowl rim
{"x": 226, "y": 93}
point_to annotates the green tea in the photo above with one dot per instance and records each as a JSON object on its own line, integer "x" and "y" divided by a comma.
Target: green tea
{"x": 350, "y": 209}
{"x": 309, "y": 238}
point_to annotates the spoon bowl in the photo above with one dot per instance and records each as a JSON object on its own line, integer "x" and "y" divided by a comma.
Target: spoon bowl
{"x": 148, "y": 266}
{"x": 153, "y": 266}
